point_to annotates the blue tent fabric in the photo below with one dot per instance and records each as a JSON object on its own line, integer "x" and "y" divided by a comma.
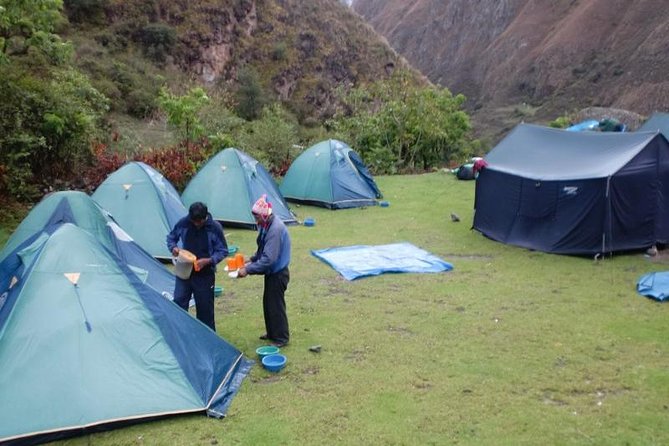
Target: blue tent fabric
{"x": 357, "y": 261}
{"x": 589, "y": 124}
{"x": 654, "y": 285}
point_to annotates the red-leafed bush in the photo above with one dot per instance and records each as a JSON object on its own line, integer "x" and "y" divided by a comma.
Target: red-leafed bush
{"x": 177, "y": 163}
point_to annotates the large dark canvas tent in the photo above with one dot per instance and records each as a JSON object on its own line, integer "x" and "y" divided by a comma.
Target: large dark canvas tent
{"x": 230, "y": 183}
{"x": 658, "y": 122}
{"x": 80, "y": 209}
{"x": 85, "y": 345}
{"x": 144, "y": 203}
{"x": 332, "y": 175}
{"x": 575, "y": 193}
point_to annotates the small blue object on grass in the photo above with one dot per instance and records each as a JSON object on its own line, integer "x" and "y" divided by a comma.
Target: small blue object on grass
{"x": 274, "y": 363}
{"x": 232, "y": 249}
{"x": 266, "y": 350}
{"x": 218, "y": 290}
{"x": 384, "y": 204}
{"x": 309, "y": 221}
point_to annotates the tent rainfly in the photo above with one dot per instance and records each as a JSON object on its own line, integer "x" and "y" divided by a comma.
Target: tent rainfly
{"x": 230, "y": 183}
{"x": 80, "y": 209}
{"x": 332, "y": 175}
{"x": 143, "y": 203}
{"x": 85, "y": 345}
{"x": 583, "y": 193}
{"x": 658, "y": 122}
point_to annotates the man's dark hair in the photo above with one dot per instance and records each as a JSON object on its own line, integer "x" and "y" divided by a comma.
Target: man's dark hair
{"x": 198, "y": 211}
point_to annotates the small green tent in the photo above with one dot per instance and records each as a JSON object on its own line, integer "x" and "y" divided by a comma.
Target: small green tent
{"x": 230, "y": 183}
{"x": 84, "y": 345}
{"x": 332, "y": 175}
{"x": 143, "y": 203}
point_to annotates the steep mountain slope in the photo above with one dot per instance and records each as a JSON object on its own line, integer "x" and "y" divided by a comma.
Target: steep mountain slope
{"x": 559, "y": 55}
{"x": 299, "y": 51}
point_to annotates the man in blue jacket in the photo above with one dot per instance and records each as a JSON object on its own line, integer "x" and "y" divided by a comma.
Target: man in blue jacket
{"x": 271, "y": 259}
{"x": 200, "y": 234}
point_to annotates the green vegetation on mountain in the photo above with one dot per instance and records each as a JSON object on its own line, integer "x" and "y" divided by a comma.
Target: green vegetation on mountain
{"x": 93, "y": 83}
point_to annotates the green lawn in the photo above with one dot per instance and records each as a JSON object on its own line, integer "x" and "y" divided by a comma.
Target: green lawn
{"x": 512, "y": 347}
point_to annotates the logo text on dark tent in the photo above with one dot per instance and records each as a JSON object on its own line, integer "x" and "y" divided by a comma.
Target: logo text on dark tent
{"x": 570, "y": 191}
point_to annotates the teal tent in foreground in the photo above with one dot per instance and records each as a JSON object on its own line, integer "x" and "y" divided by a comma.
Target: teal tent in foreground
{"x": 143, "y": 203}
{"x": 230, "y": 183}
{"x": 332, "y": 175}
{"x": 84, "y": 345}
{"x": 79, "y": 209}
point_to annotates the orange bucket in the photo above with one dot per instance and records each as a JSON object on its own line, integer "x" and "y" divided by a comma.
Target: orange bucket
{"x": 239, "y": 260}
{"x": 232, "y": 263}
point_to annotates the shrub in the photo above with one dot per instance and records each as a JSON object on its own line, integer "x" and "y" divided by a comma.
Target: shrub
{"x": 157, "y": 39}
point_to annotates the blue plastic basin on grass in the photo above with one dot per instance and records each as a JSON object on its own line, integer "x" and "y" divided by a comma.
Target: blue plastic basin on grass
{"x": 384, "y": 204}
{"x": 266, "y": 350}
{"x": 218, "y": 290}
{"x": 309, "y": 221}
{"x": 274, "y": 363}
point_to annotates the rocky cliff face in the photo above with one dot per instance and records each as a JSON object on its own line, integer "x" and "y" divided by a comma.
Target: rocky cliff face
{"x": 301, "y": 50}
{"x": 559, "y": 55}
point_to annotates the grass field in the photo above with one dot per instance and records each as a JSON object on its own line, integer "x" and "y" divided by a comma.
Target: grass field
{"x": 512, "y": 347}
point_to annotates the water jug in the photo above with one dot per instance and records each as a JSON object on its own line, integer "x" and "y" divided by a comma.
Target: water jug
{"x": 183, "y": 264}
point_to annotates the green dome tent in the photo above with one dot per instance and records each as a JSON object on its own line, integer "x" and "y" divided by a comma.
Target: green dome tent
{"x": 230, "y": 183}
{"x": 143, "y": 203}
{"x": 79, "y": 209}
{"x": 332, "y": 175}
{"x": 84, "y": 345}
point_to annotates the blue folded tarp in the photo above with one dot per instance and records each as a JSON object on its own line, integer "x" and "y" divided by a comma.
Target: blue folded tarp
{"x": 654, "y": 285}
{"x": 357, "y": 261}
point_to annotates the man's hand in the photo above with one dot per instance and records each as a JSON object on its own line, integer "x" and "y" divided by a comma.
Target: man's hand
{"x": 242, "y": 272}
{"x": 175, "y": 251}
{"x": 201, "y": 263}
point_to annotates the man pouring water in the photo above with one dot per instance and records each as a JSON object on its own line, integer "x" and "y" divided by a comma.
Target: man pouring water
{"x": 203, "y": 236}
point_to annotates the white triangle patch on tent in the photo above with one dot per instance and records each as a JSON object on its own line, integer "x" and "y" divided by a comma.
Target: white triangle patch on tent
{"x": 72, "y": 277}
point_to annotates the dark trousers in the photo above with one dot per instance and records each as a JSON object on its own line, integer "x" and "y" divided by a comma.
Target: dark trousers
{"x": 201, "y": 287}
{"x": 274, "y": 305}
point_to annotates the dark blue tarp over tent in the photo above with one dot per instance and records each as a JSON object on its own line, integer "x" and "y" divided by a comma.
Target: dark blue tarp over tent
{"x": 575, "y": 192}
{"x": 658, "y": 122}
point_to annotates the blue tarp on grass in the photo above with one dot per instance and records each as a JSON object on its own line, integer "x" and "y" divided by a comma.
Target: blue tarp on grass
{"x": 357, "y": 261}
{"x": 654, "y": 285}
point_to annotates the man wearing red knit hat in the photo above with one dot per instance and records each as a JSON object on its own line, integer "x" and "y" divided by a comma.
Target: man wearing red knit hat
{"x": 271, "y": 260}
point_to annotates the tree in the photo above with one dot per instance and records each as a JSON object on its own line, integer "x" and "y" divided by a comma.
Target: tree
{"x": 26, "y": 24}
{"x": 250, "y": 95}
{"x": 395, "y": 124}
{"x": 49, "y": 112}
{"x": 182, "y": 112}
{"x": 270, "y": 138}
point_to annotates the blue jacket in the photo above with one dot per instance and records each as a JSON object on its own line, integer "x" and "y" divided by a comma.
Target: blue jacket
{"x": 273, "y": 253}
{"x": 218, "y": 247}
